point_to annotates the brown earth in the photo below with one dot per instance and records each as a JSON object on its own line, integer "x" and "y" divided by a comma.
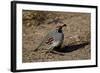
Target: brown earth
{"x": 36, "y": 24}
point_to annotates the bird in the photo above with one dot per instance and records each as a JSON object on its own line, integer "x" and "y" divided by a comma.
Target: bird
{"x": 54, "y": 38}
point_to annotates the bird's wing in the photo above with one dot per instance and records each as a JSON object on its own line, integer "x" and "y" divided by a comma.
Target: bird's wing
{"x": 43, "y": 41}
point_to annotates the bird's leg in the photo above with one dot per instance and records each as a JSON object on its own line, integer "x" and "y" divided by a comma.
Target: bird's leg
{"x": 49, "y": 49}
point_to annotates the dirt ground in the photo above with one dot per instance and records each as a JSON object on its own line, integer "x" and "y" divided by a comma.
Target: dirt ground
{"x": 36, "y": 24}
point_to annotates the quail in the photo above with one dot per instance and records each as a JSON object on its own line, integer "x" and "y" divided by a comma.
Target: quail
{"x": 54, "y": 38}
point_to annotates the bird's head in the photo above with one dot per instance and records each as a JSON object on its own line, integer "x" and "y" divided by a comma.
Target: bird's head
{"x": 60, "y": 26}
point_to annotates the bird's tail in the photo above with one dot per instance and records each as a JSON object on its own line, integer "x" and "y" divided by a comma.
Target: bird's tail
{"x": 38, "y": 46}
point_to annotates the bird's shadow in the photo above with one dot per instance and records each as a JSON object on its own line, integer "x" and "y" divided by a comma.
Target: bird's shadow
{"x": 71, "y": 48}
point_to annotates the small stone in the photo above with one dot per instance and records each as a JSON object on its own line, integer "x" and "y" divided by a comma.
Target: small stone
{"x": 28, "y": 24}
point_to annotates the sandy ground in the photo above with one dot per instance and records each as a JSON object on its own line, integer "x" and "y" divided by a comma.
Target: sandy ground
{"x": 76, "y": 45}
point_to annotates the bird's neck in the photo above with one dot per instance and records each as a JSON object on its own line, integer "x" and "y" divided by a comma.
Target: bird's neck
{"x": 59, "y": 30}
